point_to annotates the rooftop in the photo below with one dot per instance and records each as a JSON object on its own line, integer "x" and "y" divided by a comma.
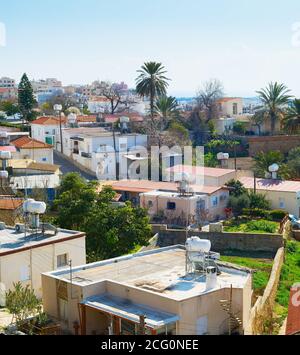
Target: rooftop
{"x": 142, "y": 186}
{"x": 10, "y": 203}
{"x": 94, "y": 132}
{"x": 198, "y": 170}
{"x": 160, "y": 271}
{"x": 30, "y": 143}
{"x": 271, "y": 185}
{"x": 12, "y": 242}
{"x": 48, "y": 120}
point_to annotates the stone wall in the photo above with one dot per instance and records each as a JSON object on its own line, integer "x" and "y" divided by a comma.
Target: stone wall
{"x": 222, "y": 242}
{"x": 263, "y": 309}
{"x": 265, "y": 144}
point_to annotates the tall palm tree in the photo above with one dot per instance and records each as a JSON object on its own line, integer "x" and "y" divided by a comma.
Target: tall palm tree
{"x": 291, "y": 121}
{"x": 275, "y": 97}
{"x": 152, "y": 82}
{"x": 166, "y": 108}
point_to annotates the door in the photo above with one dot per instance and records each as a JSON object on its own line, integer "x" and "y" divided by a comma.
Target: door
{"x": 202, "y": 326}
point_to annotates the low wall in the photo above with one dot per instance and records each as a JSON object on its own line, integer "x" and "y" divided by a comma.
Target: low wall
{"x": 222, "y": 242}
{"x": 263, "y": 309}
{"x": 266, "y": 144}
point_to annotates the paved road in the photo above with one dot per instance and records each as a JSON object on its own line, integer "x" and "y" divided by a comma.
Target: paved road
{"x": 68, "y": 167}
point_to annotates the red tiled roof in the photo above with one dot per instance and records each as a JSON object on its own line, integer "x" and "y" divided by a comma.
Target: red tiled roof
{"x": 227, "y": 99}
{"x": 134, "y": 117}
{"x": 48, "y": 120}
{"x": 30, "y": 143}
{"x": 10, "y": 204}
{"x": 87, "y": 118}
{"x": 293, "y": 322}
{"x": 8, "y": 148}
{"x": 141, "y": 186}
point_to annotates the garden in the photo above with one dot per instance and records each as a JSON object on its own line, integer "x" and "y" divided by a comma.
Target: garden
{"x": 245, "y": 225}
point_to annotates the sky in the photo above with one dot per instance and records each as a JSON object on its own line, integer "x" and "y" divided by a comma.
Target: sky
{"x": 243, "y": 43}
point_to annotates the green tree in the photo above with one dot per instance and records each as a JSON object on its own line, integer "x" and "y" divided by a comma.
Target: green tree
{"x": 263, "y": 161}
{"x": 291, "y": 121}
{"x": 152, "y": 83}
{"x": 275, "y": 97}
{"x": 210, "y": 160}
{"x": 178, "y": 134}
{"x": 238, "y": 203}
{"x": 259, "y": 201}
{"x": 26, "y": 99}
{"x": 293, "y": 162}
{"x": 258, "y": 120}
{"x": 9, "y": 108}
{"x": 236, "y": 188}
{"x": 166, "y": 107}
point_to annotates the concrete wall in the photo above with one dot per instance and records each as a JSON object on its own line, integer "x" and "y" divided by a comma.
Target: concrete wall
{"x": 265, "y": 144}
{"x": 39, "y": 155}
{"x": 222, "y": 242}
{"x": 263, "y": 309}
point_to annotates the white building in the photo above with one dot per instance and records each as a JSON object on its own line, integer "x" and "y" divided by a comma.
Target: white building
{"x": 101, "y": 151}
{"x": 29, "y": 148}
{"x": 230, "y": 106}
{"x": 7, "y": 83}
{"x": 26, "y": 254}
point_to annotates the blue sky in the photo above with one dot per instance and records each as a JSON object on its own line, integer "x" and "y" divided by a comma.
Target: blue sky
{"x": 244, "y": 43}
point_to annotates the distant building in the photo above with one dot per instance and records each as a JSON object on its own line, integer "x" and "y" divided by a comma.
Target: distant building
{"x": 152, "y": 293}
{"x": 7, "y": 83}
{"x": 44, "y": 90}
{"x": 230, "y": 106}
{"x": 101, "y": 151}
{"x": 29, "y": 148}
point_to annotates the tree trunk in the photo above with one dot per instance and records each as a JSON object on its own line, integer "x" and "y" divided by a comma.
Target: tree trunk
{"x": 273, "y": 123}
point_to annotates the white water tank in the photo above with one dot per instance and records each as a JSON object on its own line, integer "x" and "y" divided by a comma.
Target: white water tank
{"x": 34, "y": 207}
{"x": 223, "y": 156}
{"x": 195, "y": 244}
{"x": 4, "y": 155}
{"x": 3, "y": 174}
{"x": 72, "y": 118}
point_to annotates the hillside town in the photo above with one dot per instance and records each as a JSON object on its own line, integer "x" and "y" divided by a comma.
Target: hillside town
{"x": 128, "y": 210}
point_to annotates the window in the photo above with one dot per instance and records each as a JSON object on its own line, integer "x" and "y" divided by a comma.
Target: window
{"x": 44, "y": 159}
{"x": 150, "y": 204}
{"x": 62, "y": 260}
{"x": 235, "y": 109}
{"x": 171, "y": 206}
{"x": 282, "y": 203}
{"x": 214, "y": 201}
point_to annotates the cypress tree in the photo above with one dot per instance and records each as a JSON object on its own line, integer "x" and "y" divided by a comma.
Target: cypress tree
{"x": 26, "y": 98}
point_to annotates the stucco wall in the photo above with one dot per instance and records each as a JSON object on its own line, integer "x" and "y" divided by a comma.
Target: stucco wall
{"x": 263, "y": 309}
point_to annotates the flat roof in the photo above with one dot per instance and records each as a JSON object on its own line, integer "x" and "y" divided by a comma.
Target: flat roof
{"x": 198, "y": 170}
{"x": 131, "y": 311}
{"x": 96, "y": 132}
{"x": 12, "y": 242}
{"x": 271, "y": 185}
{"x": 160, "y": 271}
{"x": 142, "y": 186}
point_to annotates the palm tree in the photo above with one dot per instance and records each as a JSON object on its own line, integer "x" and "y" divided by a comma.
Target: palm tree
{"x": 166, "y": 108}
{"x": 275, "y": 97}
{"x": 152, "y": 82}
{"x": 291, "y": 121}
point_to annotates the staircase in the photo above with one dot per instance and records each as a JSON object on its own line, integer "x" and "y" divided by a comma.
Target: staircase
{"x": 234, "y": 321}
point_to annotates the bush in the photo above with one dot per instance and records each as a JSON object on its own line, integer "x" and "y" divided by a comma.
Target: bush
{"x": 239, "y": 203}
{"x": 278, "y": 215}
{"x": 263, "y": 225}
{"x": 256, "y": 213}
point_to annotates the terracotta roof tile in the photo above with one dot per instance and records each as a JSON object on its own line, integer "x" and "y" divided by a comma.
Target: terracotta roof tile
{"x": 48, "y": 120}
{"x": 10, "y": 204}
{"x": 30, "y": 143}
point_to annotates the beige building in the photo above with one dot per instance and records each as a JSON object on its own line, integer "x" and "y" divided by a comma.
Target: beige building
{"x": 109, "y": 297}
{"x": 284, "y": 195}
{"x": 29, "y": 148}
{"x": 25, "y": 254}
{"x": 230, "y": 106}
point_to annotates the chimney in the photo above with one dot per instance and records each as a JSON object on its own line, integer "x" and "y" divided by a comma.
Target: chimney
{"x": 211, "y": 278}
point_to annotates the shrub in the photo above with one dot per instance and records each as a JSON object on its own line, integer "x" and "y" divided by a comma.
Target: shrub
{"x": 263, "y": 225}
{"x": 256, "y": 213}
{"x": 278, "y": 215}
{"x": 259, "y": 201}
{"x": 239, "y": 203}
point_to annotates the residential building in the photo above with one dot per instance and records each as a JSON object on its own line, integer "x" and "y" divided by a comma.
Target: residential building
{"x": 99, "y": 104}
{"x": 198, "y": 204}
{"x": 29, "y": 148}
{"x": 26, "y": 253}
{"x": 230, "y": 106}
{"x": 224, "y": 125}
{"x": 103, "y": 152}
{"x": 110, "y": 297}
{"x": 204, "y": 175}
{"x": 10, "y": 209}
{"x": 7, "y": 83}
{"x": 46, "y": 89}
{"x": 47, "y": 129}
{"x": 8, "y": 94}
{"x": 284, "y": 195}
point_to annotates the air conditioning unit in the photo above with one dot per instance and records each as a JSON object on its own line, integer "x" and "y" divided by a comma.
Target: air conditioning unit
{"x": 2, "y": 226}
{"x": 20, "y": 228}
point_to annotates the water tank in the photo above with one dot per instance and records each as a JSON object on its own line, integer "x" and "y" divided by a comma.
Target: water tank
{"x": 72, "y": 118}
{"x": 222, "y": 156}
{"x": 35, "y": 207}
{"x": 3, "y": 174}
{"x": 195, "y": 244}
{"x": 4, "y": 155}
{"x": 274, "y": 168}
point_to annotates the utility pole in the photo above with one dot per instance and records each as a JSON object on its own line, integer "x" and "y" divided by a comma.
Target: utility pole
{"x": 58, "y": 109}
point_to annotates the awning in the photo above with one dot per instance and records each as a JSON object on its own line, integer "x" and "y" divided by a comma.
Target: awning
{"x": 125, "y": 309}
